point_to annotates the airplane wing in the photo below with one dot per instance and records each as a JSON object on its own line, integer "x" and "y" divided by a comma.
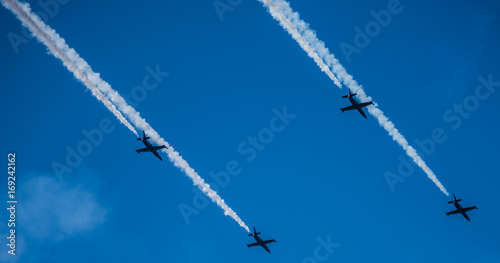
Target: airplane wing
{"x": 159, "y": 147}
{"x": 348, "y": 108}
{"x": 466, "y": 216}
{"x": 155, "y": 152}
{"x": 469, "y": 208}
{"x": 266, "y": 248}
{"x": 362, "y": 112}
{"x": 253, "y": 244}
{"x": 142, "y": 150}
{"x": 269, "y": 241}
{"x": 452, "y": 212}
{"x": 361, "y": 105}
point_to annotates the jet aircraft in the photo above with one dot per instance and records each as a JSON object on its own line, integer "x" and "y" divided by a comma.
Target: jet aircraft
{"x": 260, "y": 242}
{"x": 355, "y": 104}
{"x": 149, "y": 146}
{"x": 460, "y": 209}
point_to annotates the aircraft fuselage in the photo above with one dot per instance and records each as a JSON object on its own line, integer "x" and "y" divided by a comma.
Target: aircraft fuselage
{"x": 151, "y": 148}
{"x": 461, "y": 210}
{"x": 148, "y": 145}
{"x": 261, "y": 243}
{"x": 355, "y": 103}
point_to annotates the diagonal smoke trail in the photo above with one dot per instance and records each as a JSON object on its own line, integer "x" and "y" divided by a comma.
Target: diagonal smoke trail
{"x": 281, "y": 11}
{"x": 84, "y": 72}
{"x": 70, "y": 66}
{"x": 304, "y": 44}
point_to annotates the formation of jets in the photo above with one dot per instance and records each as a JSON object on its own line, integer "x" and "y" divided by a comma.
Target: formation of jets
{"x": 359, "y": 107}
{"x": 154, "y": 150}
{"x": 355, "y": 106}
{"x": 460, "y": 210}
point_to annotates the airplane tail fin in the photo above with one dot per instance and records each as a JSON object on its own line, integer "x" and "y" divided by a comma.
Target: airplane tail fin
{"x": 455, "y": 200}
{"x": 255, "y": 233}
{"x": 350, "y": 94}
{"x": 143, "y": 137}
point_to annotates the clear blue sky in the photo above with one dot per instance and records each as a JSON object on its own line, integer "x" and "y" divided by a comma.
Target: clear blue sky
{"x": 320, "y": 177}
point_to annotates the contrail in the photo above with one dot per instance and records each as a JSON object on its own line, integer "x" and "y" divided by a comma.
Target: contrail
{"x": 304, "y": 44}
{"x": 68, "y": 64}
{"x": 84, "y": 72}
{"x": 281, "y": 11}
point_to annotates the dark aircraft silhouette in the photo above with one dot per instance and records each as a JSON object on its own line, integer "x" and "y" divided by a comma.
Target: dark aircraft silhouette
{"x": 355, "y": 104}
{"x": 149, "y": 147}
{"x": 259, "y": 240}
{"x": 460, "y": 209}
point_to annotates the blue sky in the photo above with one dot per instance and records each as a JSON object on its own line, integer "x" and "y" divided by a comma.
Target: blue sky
{"x": 320, "y": 178}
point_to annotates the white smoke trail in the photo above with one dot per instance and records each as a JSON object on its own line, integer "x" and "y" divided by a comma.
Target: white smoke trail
{"x": 281, "y": 11}
{"x": 292, "y": 30}
{"x": 69, "y": 65}
{"x": 77, "y": 65}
